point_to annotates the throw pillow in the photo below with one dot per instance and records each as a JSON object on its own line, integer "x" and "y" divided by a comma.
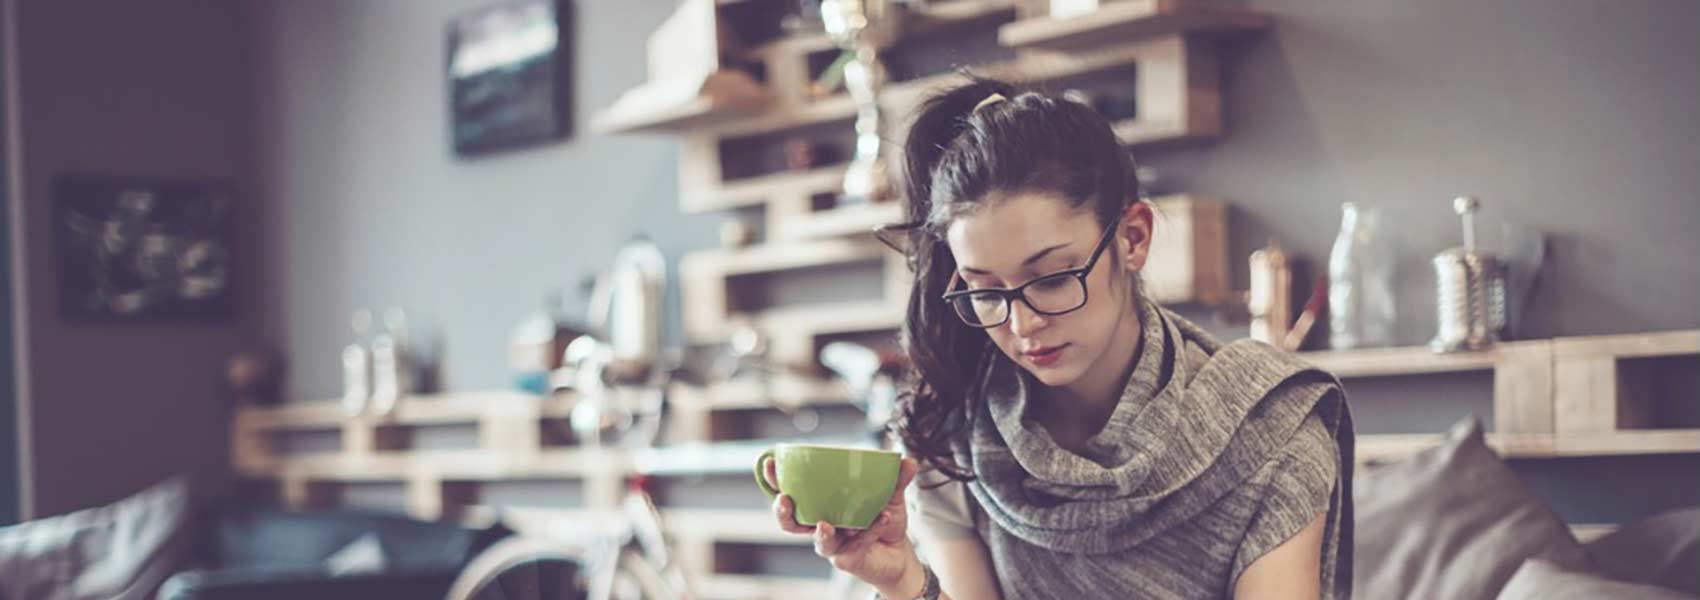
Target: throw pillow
{"x": 121, "y": 551}
{"x": 1452, "y": 521}
{"x": 1543, "y": 580}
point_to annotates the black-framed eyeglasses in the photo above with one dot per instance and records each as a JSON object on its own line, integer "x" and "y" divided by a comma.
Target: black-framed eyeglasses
{"x": 1054, "y": 294}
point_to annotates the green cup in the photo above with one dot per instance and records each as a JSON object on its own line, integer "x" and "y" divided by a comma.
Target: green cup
{"x": 846, "y": 487}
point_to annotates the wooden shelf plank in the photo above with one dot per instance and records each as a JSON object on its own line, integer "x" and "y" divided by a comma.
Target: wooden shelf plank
{"x": 1542, "y": 445}
{"x": 750, "y": 526}
{"x": 759, "y": 587}
{"x": 291, "y": 415}
{"x": 1630, "y": 345}
{"x": 1411, "y": 360}
{"x": 452, "y": 465}
{"x": 901, "y": 98}
{"x": 757, "y": 190}
{"x": 719, "y": 458}
{"x": 931, "y": 18}
{"x": 421, "y": 409}
{"x": 701, "y": 112}
{"x": 1116, "y": 22}
{"x": 750, "y": 394}
{"x": 856, "y": 219}
{"x": 767, "y": 258}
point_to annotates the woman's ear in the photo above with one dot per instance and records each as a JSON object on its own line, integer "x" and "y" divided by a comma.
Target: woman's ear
{"x": 1134, "y": 240}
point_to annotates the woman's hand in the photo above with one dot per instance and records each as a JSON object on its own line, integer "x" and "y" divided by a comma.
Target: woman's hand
{"x": 880, "y": 555}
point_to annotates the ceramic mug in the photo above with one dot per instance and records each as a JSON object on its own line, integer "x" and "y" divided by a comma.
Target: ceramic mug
{"x": 847, "y": 487}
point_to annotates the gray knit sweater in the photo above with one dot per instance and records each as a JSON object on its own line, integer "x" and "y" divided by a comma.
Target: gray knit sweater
{"x": 1214, "y": 455}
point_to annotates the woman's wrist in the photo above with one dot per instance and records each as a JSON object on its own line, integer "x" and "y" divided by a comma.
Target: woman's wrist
{"x": 910, "y": 585}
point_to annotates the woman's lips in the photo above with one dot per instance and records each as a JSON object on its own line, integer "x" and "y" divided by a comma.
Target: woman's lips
{"x": 1046, "y": 356}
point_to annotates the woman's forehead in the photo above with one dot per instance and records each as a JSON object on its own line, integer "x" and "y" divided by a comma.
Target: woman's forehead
{"x": 1004, "y": 231}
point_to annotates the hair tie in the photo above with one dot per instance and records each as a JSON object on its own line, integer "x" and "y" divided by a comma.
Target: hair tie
{"x": 990, "y": 100}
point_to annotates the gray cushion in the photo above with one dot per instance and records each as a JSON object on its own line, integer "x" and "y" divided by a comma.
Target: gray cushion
{"x": 1663, "y": 550}
{"x": 1451, "y": 522}
{"x": 121, "y": 551}
{"x": 1543, "y": 580}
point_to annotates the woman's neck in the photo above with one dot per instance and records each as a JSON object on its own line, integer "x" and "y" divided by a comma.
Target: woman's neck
{"x": 1088, "y": 402}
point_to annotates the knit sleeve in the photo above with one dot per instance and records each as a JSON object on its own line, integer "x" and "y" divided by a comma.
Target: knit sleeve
{"x": 1297, "y": 487}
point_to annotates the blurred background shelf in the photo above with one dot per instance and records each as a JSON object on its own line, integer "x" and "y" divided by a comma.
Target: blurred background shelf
{"x": 1116, "y": 22}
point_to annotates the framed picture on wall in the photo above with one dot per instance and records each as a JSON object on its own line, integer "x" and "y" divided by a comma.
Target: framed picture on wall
{"x": 139, "y": 248}
{"x": 508, "y": 82}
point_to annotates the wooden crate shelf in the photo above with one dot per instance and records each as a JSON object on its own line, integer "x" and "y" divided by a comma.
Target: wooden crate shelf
{"x": 1381, "y": 447}
{"x": 1568, "y": 384}
{"x": 422, "y": 409}
{"x": 759, "y": 190}
{"x": 855, "y": 219}
{"x": 1116, "y": 22}
{"x": 701, "y": 112}
{"x": 760, "y": 587}
{"x": 1158, "y": 56}
{"x": 749, "y": 394}
{"x": 1188, "y": 259}
{"x": 1415, "y": 360}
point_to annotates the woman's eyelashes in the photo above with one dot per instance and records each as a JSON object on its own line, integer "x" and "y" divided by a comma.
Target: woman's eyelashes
{"x": 979, "y": 282}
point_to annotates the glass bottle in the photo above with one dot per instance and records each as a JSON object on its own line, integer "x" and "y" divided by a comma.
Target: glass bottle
{"x": 357, "y": 366}
{"x": 1360, "y": 282}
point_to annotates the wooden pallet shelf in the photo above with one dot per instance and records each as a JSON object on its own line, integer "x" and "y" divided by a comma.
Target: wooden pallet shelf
{"x": 855, "y": 219}
{"x": 1415, "y": 360}
{"x": 1116, "y": 22}
{"x": 1381, "y": 447}
{"x": 421, "y": 409}
{"x": 1567, "y": 384}
{"x": 758, "y": 190}
{"x": 701, "y": 112}
{"x": 1157, "y": 56}
{"x": 752, "y": 394}
{"x": 761, "y": 587}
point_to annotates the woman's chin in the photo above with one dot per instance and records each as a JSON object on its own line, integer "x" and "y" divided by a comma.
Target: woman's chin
{"x": 1054, "y": 375}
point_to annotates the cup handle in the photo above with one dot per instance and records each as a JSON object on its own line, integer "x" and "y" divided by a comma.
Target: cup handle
{"x": 761, "y": 477}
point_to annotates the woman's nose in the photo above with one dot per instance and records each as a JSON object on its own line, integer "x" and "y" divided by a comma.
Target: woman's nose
{"x": 1023, "y": 320}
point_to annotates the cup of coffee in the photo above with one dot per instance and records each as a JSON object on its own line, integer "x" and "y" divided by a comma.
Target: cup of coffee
{"x": 846, "y": 487}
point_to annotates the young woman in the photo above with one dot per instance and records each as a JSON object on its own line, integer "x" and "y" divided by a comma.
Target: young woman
{"x": 1080, "y": 441}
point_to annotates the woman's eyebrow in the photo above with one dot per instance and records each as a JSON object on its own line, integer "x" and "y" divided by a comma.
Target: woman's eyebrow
{"x": 1030, "y": 260}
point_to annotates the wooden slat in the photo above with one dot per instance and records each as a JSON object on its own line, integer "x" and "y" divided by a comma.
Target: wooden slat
{"x": 750, "y": 526}
{"x": 1630, "y": 345}
{"x": 698, "y": 113}
{"x": 1123, "y": 20}
{"x": 292, "y": 415}
{"x": 757, "y": 587}
{"x": 757, "y": 190}
{"x": 767, "y": 258}
{"x": 1411, "y": 360}
{"x": 1029, "y": 67}
{"x": 1515, "y": 445}
{"x": 1590, "y": 391}
{"x": 1189, "y": 251}
{"x": 748, "y": 394}
{"x": 858, "y": 219}
{"x": 1523, "y": 388}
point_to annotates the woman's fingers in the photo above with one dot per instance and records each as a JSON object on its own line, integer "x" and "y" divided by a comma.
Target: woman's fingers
{"x": 770, "y": 472}
{"x": 906, "y": 472}
{"x": 826, "y": 540}
{"x": 786, "y": 511}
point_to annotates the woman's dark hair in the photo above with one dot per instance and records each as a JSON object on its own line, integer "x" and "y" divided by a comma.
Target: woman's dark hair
{"x": 954, "y": 157}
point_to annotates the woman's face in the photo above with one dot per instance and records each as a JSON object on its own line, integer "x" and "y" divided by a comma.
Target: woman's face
{"x": 1018, "y": 237}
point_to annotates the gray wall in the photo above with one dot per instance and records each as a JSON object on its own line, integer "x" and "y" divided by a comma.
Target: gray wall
{"x": 126, "y": 88}
{"x": 1576, "y": 118}
{"x": 370, "y": 207}
{"x": 1573, "y": 117}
